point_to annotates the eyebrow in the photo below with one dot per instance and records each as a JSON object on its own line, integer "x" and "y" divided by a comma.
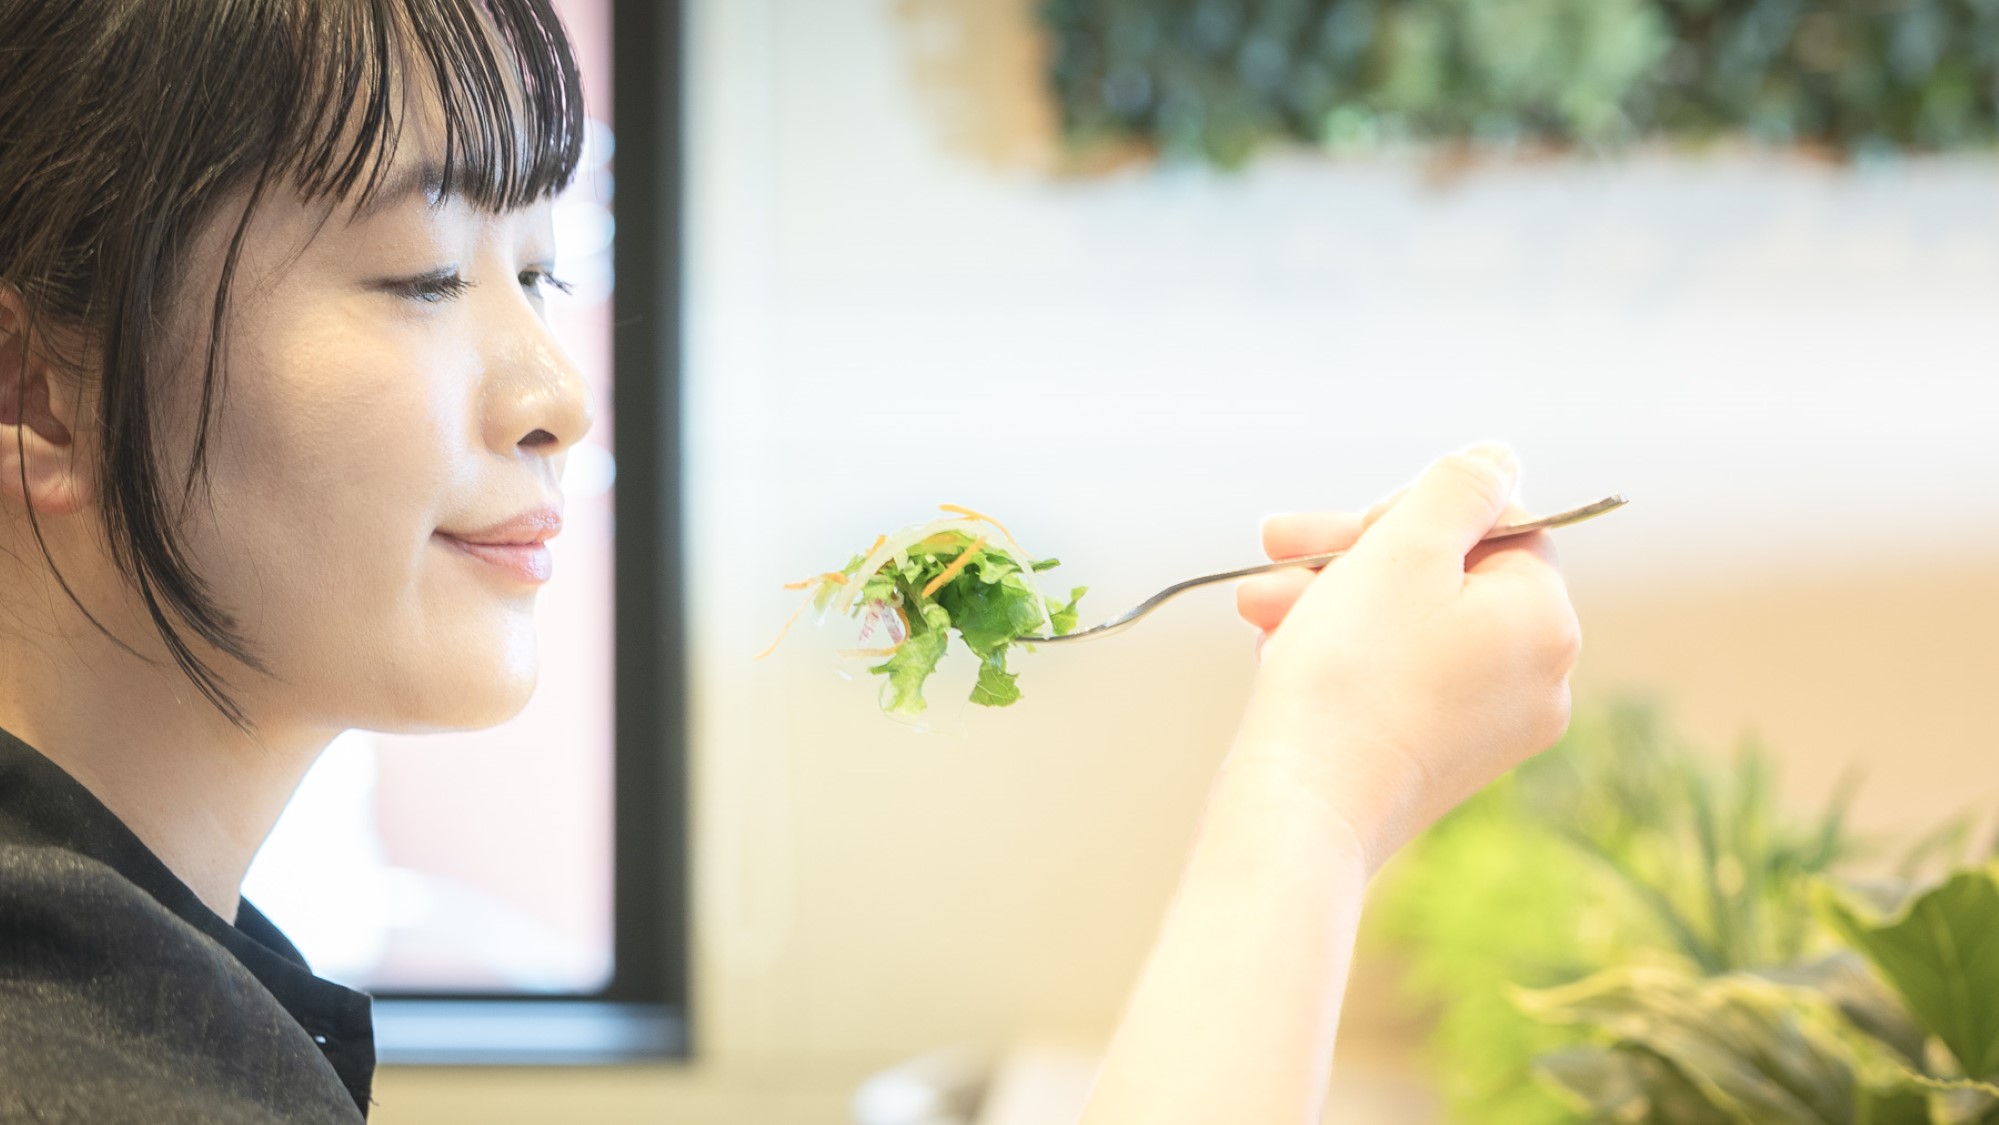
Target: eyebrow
{"x": 411, "y": 179}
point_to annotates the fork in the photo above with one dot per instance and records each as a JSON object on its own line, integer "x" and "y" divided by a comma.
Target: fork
{"x": 1120, "y": 624}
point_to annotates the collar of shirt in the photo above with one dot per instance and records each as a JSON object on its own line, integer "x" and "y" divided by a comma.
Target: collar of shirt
{"x": 42, "y": 804}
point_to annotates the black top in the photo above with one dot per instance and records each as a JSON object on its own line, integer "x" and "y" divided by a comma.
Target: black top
{"x": 123, "y": 998}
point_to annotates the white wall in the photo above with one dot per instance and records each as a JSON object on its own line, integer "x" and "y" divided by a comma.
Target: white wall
{"x": 1787, "y": 367}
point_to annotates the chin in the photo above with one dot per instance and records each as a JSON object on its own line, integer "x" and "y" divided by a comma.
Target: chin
{"x": 491, "y": 700}
{"x": 461, "y": 695}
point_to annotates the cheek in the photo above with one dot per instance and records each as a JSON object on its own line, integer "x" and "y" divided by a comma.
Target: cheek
{"x": 337, "y": 455}
{"x": 332, "y": 458}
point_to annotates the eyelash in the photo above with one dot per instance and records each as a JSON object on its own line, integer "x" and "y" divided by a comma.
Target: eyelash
{"x": 540, "y": 278}
{"x": 431, "y": 288}
{"x": 449, "y": 285}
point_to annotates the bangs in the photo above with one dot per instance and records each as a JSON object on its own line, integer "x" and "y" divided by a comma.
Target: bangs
{"x": 499, "y": 75}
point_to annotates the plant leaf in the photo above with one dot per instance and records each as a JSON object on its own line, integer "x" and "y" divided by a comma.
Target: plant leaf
{"x": 1941, "y": 952}
{"x": 1870, "y": 1006}
{"x": 1895, "y": 1105}
{"x": 1756, "y": 1051}
{"x": 1602, "y": 1081}
{"x": 1624, "y": 1084}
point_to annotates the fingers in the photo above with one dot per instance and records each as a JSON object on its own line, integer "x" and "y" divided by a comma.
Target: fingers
{"x": 1289, "y": 535}
{"x": 1456, "y": 501}
{"x": 1382, "y": 506}
{"x": 1265, "y": 599}
{"x": 1514, "y": 549}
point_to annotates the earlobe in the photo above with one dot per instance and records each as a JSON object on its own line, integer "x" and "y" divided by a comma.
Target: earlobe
{"x": 38, "y": 454}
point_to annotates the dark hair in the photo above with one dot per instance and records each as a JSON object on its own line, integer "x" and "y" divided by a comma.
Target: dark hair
{"x": 126, "y": 124}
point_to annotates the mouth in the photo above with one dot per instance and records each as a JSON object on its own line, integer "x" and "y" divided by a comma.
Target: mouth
{"x": 518, "y": 547}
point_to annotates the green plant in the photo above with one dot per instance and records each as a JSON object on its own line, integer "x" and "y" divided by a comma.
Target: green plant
{"x": 1624, "y": 930}
{"x": 1216, "y": 79}
{"x": 1616, "y": 847}
{"x": 1826, "y": 1044}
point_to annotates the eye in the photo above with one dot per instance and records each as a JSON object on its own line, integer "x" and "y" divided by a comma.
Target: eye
{"x": 540, "y": 281}
{"x": 431, "y": 288}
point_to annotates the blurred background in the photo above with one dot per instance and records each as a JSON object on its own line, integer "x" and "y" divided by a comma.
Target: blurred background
{"x": 1130, "y": 275}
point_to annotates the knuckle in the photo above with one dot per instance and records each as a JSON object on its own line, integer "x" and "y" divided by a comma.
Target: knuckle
{"x": 1480, "y": 479}
{"x": 1562, "y": 640}
{"x": 1556, "y": 715}
{"x": 1564, "y": 710}
{"x": 1547, "y": 717}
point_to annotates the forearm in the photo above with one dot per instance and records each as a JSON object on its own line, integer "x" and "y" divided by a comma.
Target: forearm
{"x": 1235, "y": 1013}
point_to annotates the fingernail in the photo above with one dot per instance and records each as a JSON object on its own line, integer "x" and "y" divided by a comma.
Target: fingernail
{"x": 1501, "y": 457}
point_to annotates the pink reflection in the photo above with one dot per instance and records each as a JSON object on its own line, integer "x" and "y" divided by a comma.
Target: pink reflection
{"x": 501, "y": 839}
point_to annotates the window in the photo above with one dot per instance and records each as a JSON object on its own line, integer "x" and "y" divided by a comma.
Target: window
{"x": 517, "y": 894}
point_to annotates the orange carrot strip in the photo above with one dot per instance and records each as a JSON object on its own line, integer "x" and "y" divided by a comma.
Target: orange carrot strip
{"x": 787, "y": 628}
{"x": 879, "y": 540}
{"x": 869, "y": 653}
{"x": 972, "y": 515}
{"x": 956, "y": 568}
{"x": 833, "y": 576}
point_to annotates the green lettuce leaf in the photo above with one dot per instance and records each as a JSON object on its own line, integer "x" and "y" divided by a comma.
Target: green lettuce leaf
{"x": 1064, "y": 618}
{"x": 906, "y": 670}
{"x": 995, "y": 687}
{"x": 988, "y": 600}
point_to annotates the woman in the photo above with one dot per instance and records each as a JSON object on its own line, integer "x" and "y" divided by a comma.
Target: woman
{"x": 281, "y": 432}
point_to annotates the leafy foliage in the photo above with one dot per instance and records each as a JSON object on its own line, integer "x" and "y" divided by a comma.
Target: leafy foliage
{"x": 1817, "y": 1046}
{"x": 1215, "y": 79}
{"x": 1625, "y": 931}
{"x": 1737, "y": 1044}
{"x": 1941, "y": 952}
{"x": 1617, "y": 846}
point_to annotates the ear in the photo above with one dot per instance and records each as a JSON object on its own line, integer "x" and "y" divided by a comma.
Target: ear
{"x": 40, "y": 463}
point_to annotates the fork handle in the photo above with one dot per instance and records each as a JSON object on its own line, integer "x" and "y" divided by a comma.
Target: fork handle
{"x": 1559, "y": 519}
{"x": 1119, "y": 624}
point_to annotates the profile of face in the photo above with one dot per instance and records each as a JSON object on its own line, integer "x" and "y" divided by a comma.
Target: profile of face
{"x": 286, "y": 423}
{"x": 391, "y": 386}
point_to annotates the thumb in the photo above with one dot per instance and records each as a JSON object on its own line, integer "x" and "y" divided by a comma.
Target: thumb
{"x": 1456, "y": 501}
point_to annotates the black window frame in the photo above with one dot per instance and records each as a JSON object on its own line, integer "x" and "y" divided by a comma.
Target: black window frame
{"x": 642, "y": 1014}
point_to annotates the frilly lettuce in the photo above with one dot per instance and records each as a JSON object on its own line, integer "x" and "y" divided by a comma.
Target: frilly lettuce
{"x": 914, "y": 588}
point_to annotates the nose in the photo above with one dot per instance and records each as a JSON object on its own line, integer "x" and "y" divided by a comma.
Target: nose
{"x": 536, "y": 401}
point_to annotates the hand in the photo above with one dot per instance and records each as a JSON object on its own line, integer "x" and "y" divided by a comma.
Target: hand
{"x": 1407, "y": 675}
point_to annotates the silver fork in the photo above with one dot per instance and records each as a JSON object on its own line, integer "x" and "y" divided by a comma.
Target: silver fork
{"x": 1120, "y": 624}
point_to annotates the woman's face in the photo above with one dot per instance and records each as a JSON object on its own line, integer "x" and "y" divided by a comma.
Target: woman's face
{"x": 389, "y": 383}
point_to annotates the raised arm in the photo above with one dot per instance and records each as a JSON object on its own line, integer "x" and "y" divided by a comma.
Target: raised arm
{"x": 1393, "y": 685}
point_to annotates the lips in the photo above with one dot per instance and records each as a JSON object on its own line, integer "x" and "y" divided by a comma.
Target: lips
{"x": 516, "y": 547}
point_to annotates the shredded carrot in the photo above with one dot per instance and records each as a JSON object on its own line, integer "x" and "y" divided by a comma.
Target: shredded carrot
{"x": 879, "y": 540}
{"x": 972, "y": 515}
{"x": 833, "y": 576}
{"x": 956, "y": 568}
{"x": 787, "y": 629}
{"x": 869, "y": 653}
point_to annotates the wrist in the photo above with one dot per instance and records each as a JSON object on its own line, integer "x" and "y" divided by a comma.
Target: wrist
{"x": 1265, "y": 784}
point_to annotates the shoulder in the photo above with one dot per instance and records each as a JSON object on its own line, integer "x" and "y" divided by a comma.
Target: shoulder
{"x": 115, "y": 1010}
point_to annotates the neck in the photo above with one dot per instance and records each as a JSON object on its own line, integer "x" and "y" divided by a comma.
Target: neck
{"x": 198, "y": 792}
